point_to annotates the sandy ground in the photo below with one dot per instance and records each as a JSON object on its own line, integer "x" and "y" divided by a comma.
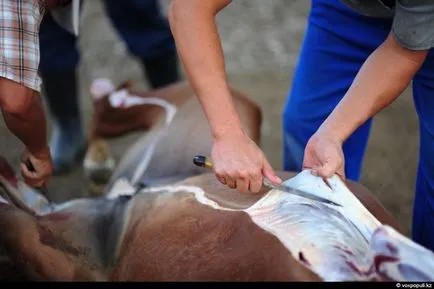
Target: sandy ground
{"x": 261, "y": 42}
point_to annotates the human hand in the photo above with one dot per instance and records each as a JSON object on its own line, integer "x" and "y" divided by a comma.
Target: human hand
{"x": 240, "y": 164}
{"x": 42, "y": 164}
{"x": 324, "y": 156}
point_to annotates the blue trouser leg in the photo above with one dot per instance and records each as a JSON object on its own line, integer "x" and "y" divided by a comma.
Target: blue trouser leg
{"x": 423, "y": 210}
{"x": 147, "y": 35}
{"x": 58, "y": 48}
{"x": 142, "y": 26}
{"x": 332, "y": 53}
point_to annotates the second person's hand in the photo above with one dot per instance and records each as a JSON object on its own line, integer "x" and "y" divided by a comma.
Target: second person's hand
{"x": 324, "y": 155}
{"x": 240, "y": 164}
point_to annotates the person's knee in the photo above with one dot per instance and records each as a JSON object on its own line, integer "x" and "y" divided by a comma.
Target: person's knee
{"x": 16, "y": 99}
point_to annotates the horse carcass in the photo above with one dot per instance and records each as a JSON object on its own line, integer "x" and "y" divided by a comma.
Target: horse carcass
{"x": 336, "y": 243}
{"x": 116, "y": 236}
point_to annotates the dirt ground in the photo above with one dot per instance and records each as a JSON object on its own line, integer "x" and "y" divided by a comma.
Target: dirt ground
{"x": 261, "y": 42}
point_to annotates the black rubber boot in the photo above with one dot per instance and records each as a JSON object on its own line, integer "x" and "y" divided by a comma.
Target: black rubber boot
{"x": 162, "y": 70}
{"x": 67, "y": 142}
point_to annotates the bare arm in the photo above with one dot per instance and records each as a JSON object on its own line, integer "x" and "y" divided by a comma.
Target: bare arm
{"x": 198, "y": 42}
{"x": 24, "y": 115}
{"x": 238, "y": 162}
{"x": 382, "y": 78}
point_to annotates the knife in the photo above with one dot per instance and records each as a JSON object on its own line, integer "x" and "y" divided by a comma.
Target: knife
{"x": 42, "y": 190}
{"x": 202, "y": 161}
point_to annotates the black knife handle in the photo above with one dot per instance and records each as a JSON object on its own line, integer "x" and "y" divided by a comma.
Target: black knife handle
{"x": 29, "y": 165}
{"x": 202, "y": 161}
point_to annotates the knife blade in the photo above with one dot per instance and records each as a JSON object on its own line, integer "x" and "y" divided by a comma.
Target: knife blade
{"x": 205, "y": 162}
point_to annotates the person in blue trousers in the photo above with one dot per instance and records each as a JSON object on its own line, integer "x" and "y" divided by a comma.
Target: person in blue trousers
{"x": 147, "y": 35}
{"x": 357, "y": 57}
{"x": 337, "y": 42}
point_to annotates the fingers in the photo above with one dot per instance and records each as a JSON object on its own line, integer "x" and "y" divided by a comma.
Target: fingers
{"x": 341, "y": 173}
{"x": 226, "y": 180}
{"x": 240, "y": 164}
{"x": 241, "y": 180}
{"x": 37, "y": 172}
{"x": 231, "y": 184}
{"x": 247, "y": 180}
{"x": 325, "y": 171}
{"x": 243, "y": 185}
{"x": 329, "y": 169}
{"x": 256, "y": 183}
{"x": 32, "y": 178}
{"x": 221, "y": 179}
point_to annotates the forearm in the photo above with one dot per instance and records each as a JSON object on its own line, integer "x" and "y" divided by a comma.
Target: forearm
{"x": 382, "y": 78}
{"x": 24, "y": 116}
{"x": 198, "y": 43}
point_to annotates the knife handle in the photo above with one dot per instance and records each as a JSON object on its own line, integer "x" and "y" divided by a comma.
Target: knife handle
{"x": 30, "y": 167}
{"x": 202, "y": 161}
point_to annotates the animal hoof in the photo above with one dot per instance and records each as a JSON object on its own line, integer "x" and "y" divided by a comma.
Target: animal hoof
{"x": 98, "y": 166}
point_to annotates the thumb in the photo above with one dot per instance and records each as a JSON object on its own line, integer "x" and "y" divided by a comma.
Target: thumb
{"x": 341, "y": 173}
{"x": 327, "y": 170}
{"x": 268, "y": 172}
